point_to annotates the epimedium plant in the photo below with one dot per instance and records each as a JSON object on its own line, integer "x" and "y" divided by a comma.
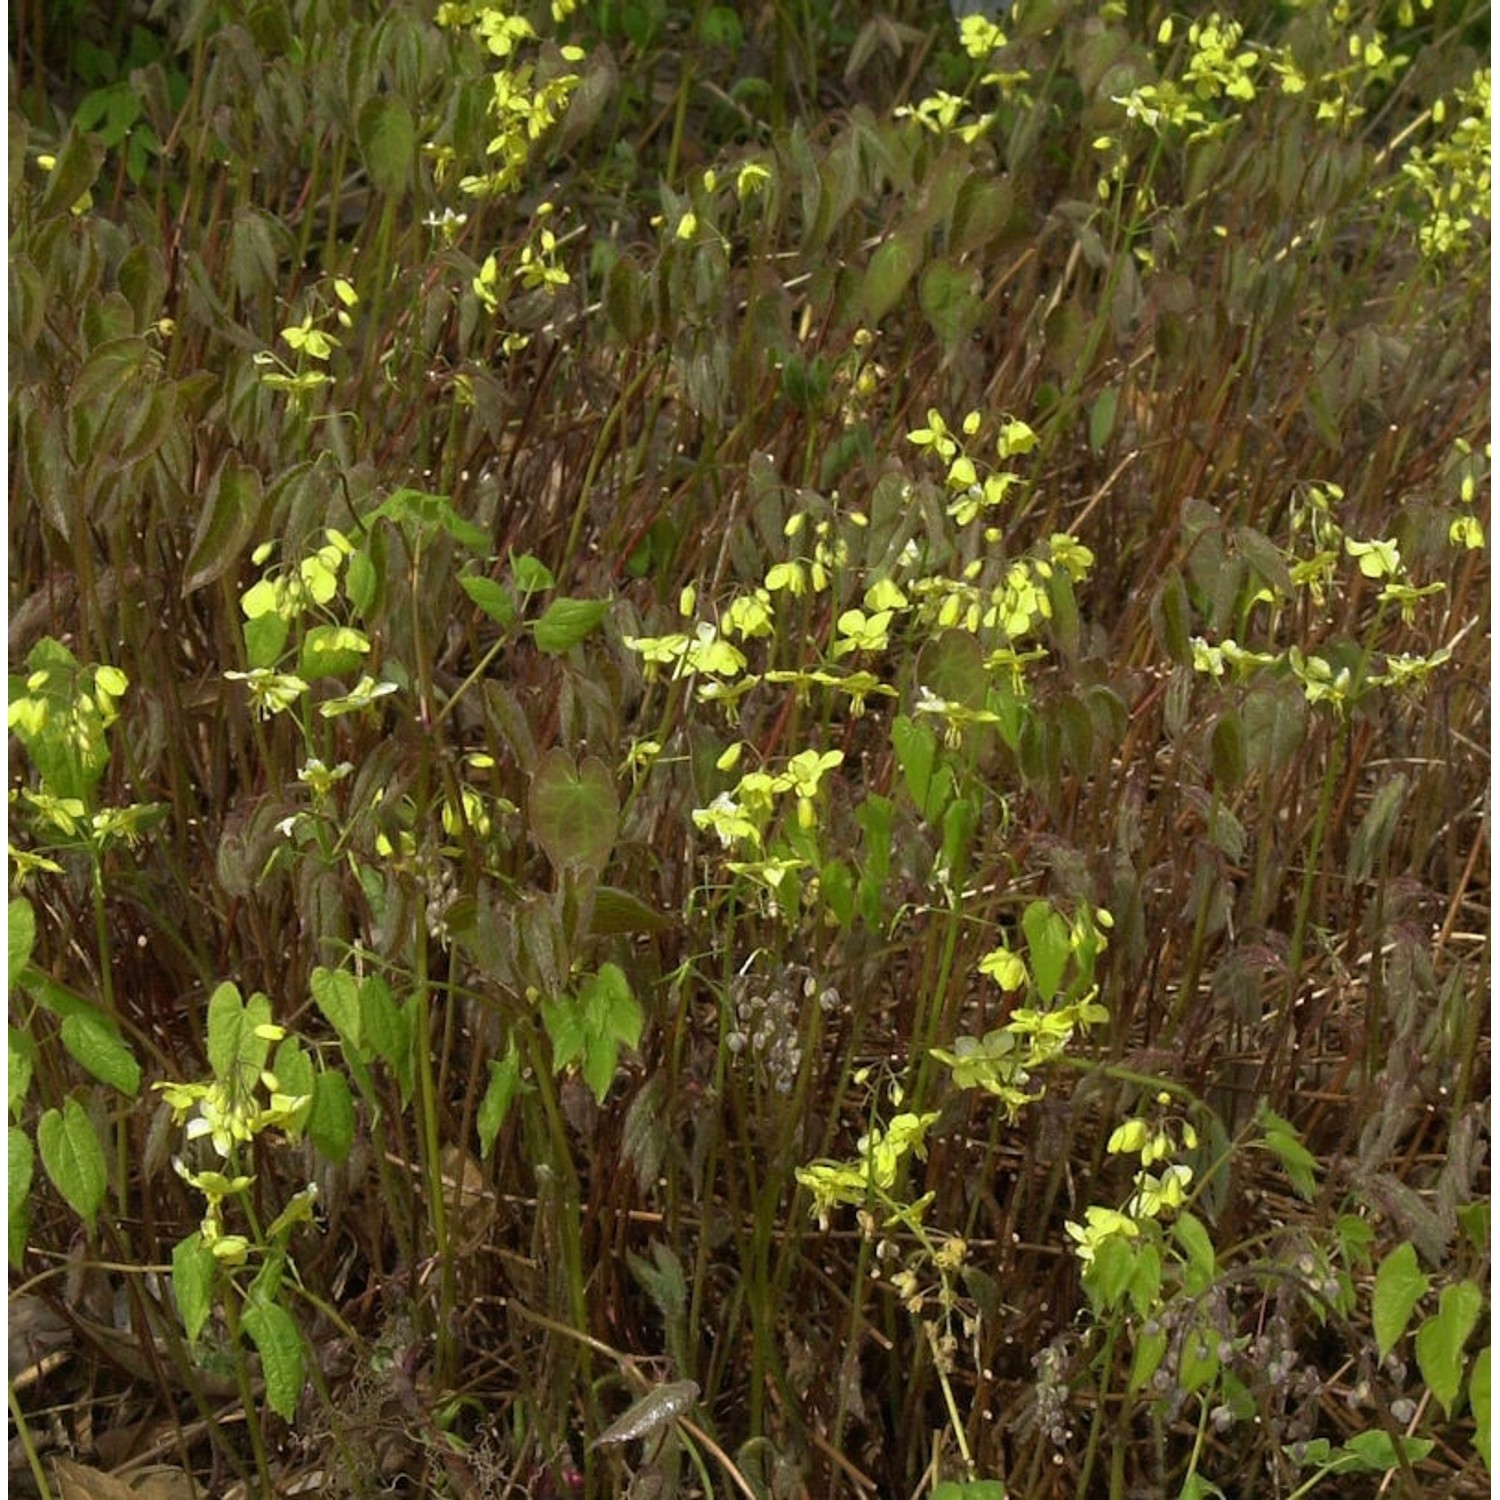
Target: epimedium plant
{"x": 1163, "y": 1294}
{"x": 61, "y": 712}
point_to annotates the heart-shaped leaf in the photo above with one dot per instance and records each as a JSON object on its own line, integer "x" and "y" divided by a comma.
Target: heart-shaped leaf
{"x": 574, "y": 811}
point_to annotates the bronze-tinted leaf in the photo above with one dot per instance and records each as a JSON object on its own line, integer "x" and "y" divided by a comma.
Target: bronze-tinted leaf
{"x": 77, "y": 166}
{"x": 982, "y": 209}
{"x": 617, "y": 910}
{"x": 574, "y": 810}
{"x": 890, "y": 271}
{"x": 231, "y": 506}
{"x": 1227, "y": 753}
{"x": 1170, "y": 615}
{"x": 952, "y": 667}
{"x": 388, "y": 141}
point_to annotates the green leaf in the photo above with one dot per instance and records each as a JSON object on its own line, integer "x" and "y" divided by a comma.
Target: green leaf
{"x": 493, "y": 598}
{"x": 265, "y": 639}
{"x": 836, "y": 887}
{"x": 1196, "y": 1487}
{"x": 970, "y": 1489}
{"x": 1479, "y": 1403}
{"x": 589, "y": 1028}
{"x": 402, "y": 1062}
{"x": 227, "y": 517}
{"x": 336, "y": 992}
{"x": 1375, "y": 1452}
{"x": 385, "y": 1030}
{"x": 530, "y": 574}
{"x": 916, "y": 747}
{"x": 614, "y": 1016}
{"x": 1102, "y": 417}
{"x": 891, "y": 268}
{"x": 1474, "y": 1223}
{"x": 1282, "y": 1140}
{"x": 564, "y": 1023}
{"x": 193, "y": 1272}
{"x": 1107, "y": 1277}
{"x": 1198, "y": 1358}
{"x": 140, "y": 426}
{"x": 235, "y": 1053}
{"x": 1199, "y": 1248}
{"x": 74, "y": 1159}
{"x": 1265, "y": 558}
{"x": 332, "y": 651}
{"x": 1145, "y": 1279}
{"x": 361, "y": 580}
{"x": 1150, "y": 1350}
{"x": 254, "y": 255}
{"x": 960, "y": 820}
{"x": 28, "y": 294}
{"x": 947, "y": 295}
{"x": 1441, "y": 1338}
{"x": 383, "y": 1024}
{"x": 505, "y": 1085}
{"x": 387, "y": 136}
{"x": 1356, "y": 1236}
{"x": 113, "y": 367}
{"x": 330, "y": 1124}
{"x": 419, "y": 511}
{"x": 574, "y": 811}
{"x": 21, "y": 1056}
{"x": 20, "y": 1164}
{"x": 21, "y": 934}
{"x": 274, "y": 1333}
{"x": 1047, "y": 942}
{"x": 95, "y": 1043}
{"x": 1399, "y": 1286}
{"x": 296, "y": 1076}
{"x": 1315, "y": 1453}
{"x": 566, "y": 622}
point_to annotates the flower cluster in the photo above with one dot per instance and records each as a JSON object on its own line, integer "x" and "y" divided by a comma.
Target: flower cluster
{"x": 1155, "y": 1194}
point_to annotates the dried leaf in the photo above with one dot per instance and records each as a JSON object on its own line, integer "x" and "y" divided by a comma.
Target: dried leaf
{"x": 654, "y": 1410}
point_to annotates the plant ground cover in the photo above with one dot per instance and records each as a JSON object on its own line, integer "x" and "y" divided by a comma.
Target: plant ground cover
{"x": 749, "y": 749}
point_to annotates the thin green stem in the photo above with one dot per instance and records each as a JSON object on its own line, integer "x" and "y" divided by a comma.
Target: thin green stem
{"x": 1101, "y": 1408}
{"x": 28, "y": 1445}
{"x": 231, "y": 1305}
{"x": 429, "y": 1131}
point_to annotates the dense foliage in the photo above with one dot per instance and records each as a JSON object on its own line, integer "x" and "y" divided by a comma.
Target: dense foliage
{"x": 749, "y": 749}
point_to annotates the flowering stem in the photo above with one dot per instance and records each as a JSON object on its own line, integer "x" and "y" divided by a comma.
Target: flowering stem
{"x": 954, "y": 1420}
